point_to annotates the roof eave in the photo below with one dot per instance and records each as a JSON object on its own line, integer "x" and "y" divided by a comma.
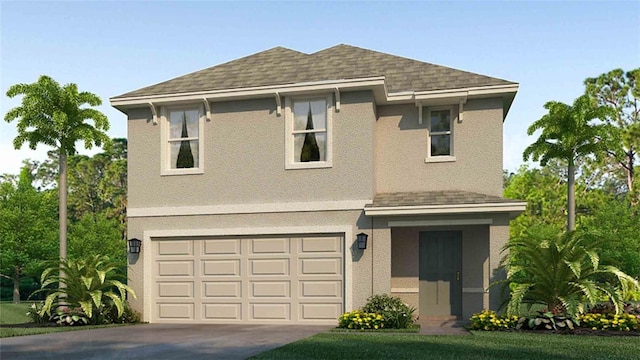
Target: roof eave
{"x": 513, "y": 208}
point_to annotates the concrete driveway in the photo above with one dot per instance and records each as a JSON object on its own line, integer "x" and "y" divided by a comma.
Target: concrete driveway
{"x": 157, "y": 341}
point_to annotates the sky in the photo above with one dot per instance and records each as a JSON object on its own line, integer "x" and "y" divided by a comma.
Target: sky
{"x": 110, "y": 48}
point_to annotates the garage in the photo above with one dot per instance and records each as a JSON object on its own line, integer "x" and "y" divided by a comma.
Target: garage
{"x": 241, "y": 279}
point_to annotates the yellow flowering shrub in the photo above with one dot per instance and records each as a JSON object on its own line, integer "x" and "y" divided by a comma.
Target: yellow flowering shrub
{"x": 360, "y": 320}
{"x": 622, "y": 322}
{"x": 488, "y": 320}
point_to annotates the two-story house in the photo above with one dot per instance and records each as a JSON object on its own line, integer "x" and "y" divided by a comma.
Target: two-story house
{"x": 254, "y": 185}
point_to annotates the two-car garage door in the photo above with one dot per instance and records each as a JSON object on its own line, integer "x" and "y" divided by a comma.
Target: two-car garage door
{"x": 275, "y": 279}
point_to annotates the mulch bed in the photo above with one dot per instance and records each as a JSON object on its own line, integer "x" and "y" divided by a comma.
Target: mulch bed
{"x": 30, "y": 325}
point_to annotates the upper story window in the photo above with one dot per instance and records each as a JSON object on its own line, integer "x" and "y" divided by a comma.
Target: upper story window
{"x": 308, "y": 132}
{"x": 440, "y": 138}
{"x": 182, "y": 140}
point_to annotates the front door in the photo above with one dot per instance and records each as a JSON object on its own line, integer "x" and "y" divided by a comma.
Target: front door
{"x": 440, "y": 273}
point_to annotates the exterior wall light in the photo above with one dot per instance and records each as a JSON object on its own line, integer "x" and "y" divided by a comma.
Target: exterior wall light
{"x": 134, "y": 246}
{"x": 361, "y": 239}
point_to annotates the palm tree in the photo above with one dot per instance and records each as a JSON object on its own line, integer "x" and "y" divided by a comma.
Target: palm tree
{"x": 54, "y": 115}
{"x": 561, "y": 272}
{"x": 568, "y": 134}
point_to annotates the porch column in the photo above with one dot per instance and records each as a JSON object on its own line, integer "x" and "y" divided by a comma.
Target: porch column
{"x": 381, "y": 257}
{"x": 498, "y": 237}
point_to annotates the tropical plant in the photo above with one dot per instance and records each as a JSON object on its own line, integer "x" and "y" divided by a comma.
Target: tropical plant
{"x": 562, "y": 273}
{"x": 569, "y": 134}
{"x": 547, "y": 320}
{"x": 91, "y": 285}
{"x": 55, "y": 115}
{"x": 396, "y": 314}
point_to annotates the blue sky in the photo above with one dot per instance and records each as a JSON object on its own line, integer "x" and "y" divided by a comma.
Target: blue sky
{"x": 110, "y": 48}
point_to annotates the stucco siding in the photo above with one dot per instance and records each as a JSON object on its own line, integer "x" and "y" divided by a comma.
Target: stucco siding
{"x": 401, "y": 150}
{"x": 244, "y": 162}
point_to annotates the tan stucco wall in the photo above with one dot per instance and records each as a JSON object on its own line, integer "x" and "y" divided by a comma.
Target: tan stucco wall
{"x": 244, "y": 158}
{"x": 370, "y": 268}
{"x": 401, "y": 150}
{"x": 481, "y": 246}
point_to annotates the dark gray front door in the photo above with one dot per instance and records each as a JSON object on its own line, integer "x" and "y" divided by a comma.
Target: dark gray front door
{"x": 440, "y": 273}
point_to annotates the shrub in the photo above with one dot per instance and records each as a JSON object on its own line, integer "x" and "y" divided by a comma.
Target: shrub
{"x": 610, "y": 321}
{"x": 547, "y": 320}
{"x": 488, "y": 320}
{"x": 128, "y": 316}
{"x": 361, "y": 320}
{"x": 396, "y": 314}
{"x": 91, "y": 284}
{"x": 70, "y": 316}
{"x": 34, "y": 313}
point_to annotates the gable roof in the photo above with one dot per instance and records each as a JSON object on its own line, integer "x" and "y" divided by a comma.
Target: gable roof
{"x": 282, "y": 66}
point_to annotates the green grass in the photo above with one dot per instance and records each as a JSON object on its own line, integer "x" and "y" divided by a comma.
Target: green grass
{"x": 481, "y": 345}
{"x": 17, "y": 314}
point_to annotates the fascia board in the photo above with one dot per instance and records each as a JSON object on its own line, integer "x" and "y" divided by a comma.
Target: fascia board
{"x": 253, "y": 92}
{"x": 446, "y": 209}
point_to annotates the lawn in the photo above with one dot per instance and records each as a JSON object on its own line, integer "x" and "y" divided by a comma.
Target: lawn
{"x": 480, "y": 345}
{"x": 14, "y": 314}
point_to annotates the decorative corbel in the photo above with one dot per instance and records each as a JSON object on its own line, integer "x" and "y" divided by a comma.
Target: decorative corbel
{"x": 207, "y": 109}
{"x": 419, "y": 105}
{"x": 278, "y": 104}
{"x": 154, "y": 112}
{"x": 337, "y": 92}
{"x": 461, "y": 109}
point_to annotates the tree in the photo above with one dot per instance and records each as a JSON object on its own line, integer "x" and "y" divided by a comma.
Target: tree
{"x": 27, "y": 229}
{"x": 55, "y": 115}
{"x": 568, "y": 134}
{"x": 620, "y": 92}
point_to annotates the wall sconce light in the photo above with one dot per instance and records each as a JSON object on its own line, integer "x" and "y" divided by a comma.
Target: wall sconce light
{"x": 134, "y": 246}
{"x": 361, "y": 239}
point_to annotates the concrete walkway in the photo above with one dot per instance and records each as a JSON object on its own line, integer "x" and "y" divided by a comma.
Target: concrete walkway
{"x": 443, "y": 327}
{"x": 157, "y": 341}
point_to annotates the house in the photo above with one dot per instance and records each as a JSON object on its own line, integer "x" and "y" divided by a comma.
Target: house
{"x": 251, "y": 181}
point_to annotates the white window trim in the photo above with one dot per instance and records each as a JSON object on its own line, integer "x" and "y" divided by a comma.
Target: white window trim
{"x": 165, "y": 167}
{"x": 289, "y": 162}
{"x": 452, "y": 120}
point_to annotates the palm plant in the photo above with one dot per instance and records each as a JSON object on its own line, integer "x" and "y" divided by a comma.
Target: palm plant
{"x": 93, "y": 285}
{"x": 55, "y": 115}
{"x": 562, "y": 273}
{"x": 568, "y": 134}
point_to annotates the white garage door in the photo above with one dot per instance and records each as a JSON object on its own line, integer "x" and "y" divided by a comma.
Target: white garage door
{"x": 256, "y": 280}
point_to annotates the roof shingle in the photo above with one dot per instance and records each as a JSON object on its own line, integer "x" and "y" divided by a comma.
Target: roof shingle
{"x": 427, "y": 198}
{"x": 280, "y": 66}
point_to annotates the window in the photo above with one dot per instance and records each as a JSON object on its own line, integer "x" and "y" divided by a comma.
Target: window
{"x": 440, "y": 138}
{"x": 308, "y": 131}
{"x": 182, "y": 141}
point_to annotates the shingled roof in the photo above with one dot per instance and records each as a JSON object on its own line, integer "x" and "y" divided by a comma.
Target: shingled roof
{"x": 434, "y": 198}
{"x": 281, "y": 66}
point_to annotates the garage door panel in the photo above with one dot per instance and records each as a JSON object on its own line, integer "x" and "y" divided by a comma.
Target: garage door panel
{"x": 173, "y": 311}
{"x": 281, "y": 311}
{"x": 222, "y": 289}
{"x": 321, "y": 244}
{"x": 222, "y": 311}
{"x": 269, "y": 267}
{"x": 230, "y": 267}
{"x": 330, "y": 289}
{"x": 179, "y": 247}
{"x": 271, "y": 289}
{"x": 270, "y": 246}
{"x": 221, "y": 247}
{"x": 320, "y": 311}
{"x": 175, "y": 289}
{"x": 175, "y": 268}
{"x": 324, "y": 266}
